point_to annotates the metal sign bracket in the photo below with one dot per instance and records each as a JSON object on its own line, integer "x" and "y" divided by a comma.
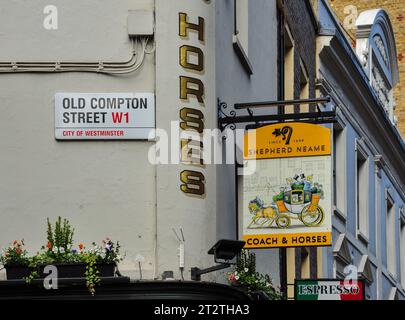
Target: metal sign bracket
{"x": 231, "y": 119}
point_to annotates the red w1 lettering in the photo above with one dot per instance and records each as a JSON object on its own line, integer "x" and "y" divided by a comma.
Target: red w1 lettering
{"x": 117, "y": 117}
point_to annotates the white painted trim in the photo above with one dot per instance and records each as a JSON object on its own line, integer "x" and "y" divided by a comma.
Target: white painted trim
{"x": 350, "y": 119}
{"x": 340, "y": 209}
{"x": 359, "y": 148}
{"x": 393, "y": 293}
{"x": 389, "y": 198}
{"x": 243, "y": 57}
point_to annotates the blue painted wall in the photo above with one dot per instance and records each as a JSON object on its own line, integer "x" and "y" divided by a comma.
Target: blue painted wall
{"x": 376, "y": 247}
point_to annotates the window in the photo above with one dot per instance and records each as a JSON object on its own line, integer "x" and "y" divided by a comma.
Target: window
{"x": 319, "y": 260}
{"x": 339, "y": 170}
{"x": 305, "y": 263}
{"x": 241, "y": 33}
{"x": 304, "y": 87}
{"x": 402, "y": 246}
{"x": 390, "y": 235}
{"x": 242, "y": 24}
{"x": 290, "y": 272}
{"x": 362, "y": 193}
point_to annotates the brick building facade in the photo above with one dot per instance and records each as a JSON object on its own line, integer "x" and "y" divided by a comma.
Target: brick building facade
{"x": 303, "y": 28}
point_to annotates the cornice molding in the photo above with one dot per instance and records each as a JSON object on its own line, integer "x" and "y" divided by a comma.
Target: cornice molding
{"x": 361, "y": 90}
{"x": 347, "y": 117}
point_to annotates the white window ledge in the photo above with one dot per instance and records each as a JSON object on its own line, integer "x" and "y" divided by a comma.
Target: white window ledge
{"x": 242, "y": 55}
{"x": 339, "y": 214}
{"x": 362, "y": 237}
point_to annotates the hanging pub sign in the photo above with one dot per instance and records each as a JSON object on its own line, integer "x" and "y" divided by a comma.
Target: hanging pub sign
{"x": 287, "y": 201}
{"x": 329, "y": 290}
{"x": 104, "y": 116}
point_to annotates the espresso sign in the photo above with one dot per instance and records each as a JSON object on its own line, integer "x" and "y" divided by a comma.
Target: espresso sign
{"x": 104, "y": 116}
{"x": 329, "y": 290}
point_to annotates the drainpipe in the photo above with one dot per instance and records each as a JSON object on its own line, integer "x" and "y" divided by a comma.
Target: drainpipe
{"x": 281, "y": 109}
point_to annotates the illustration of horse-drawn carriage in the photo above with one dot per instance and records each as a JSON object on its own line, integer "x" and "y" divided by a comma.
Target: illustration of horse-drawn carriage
{"x": 301, "y": 203}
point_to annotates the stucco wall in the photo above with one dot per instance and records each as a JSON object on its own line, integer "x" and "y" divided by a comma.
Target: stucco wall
{"x": 104, "y": 188}
{"x": 175, "y": 209}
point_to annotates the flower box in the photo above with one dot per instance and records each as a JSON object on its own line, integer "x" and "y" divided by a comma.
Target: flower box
{"x": 91, "y": 264}
{"x": 245, "y": 278}
{"x": 76, "y": 270}
{"x": 16, "y": 272}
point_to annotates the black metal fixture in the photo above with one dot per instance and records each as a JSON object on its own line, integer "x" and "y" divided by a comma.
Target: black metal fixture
{"x": 225, "y": 250}
{"x": 230, "y": 120}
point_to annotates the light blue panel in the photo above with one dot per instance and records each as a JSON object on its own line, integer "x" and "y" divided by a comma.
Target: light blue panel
{"x": 371, "y": 206}
{"x": 377, "y": 232}
{"x": 371, "y": 289}
{"x": 234, "y": 85}
{"x": 351, "y": 181}
{"x": 386, "y": 287}
{"x": 383, "y": 214}
{"x": 398, "y": 204}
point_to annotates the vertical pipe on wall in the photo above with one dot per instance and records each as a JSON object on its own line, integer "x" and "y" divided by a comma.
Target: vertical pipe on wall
{"x": 236, "y": 195}
{"x": 280, "y": 59}
{"x": 280, "y": 95}
{"x": 235, "y": 22}
{"x": 155, "y": 222}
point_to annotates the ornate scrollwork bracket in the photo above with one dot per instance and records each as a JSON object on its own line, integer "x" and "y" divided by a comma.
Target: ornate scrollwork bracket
{"x": 225, "y": 120}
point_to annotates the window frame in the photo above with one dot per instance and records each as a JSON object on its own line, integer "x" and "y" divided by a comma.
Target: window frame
{"x": 340, "y": 210}
{"x": 242, "y": 49}
{"x": 389, "y": 199}
{"x": 305, "y": 263}
{"x": 289, "y": 67}
{"x": 362, "y": 234}
{"x": 402, "y": 245}
{"x": 304, "y": 86}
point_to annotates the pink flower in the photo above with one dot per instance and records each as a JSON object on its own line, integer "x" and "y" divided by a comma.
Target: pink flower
{"x": 232, "y": 277}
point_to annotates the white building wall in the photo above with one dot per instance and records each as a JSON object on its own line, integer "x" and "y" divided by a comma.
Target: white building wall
{"x": 104, "y": 188}
{"x": 175, "y": 209}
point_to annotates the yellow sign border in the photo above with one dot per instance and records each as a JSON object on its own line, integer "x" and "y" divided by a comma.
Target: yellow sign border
{"x": 322, "y": 239}
{"x": 287, "y": 140}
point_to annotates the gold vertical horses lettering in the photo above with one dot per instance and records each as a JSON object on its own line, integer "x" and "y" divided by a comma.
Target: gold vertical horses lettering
{"x": 191, "y": 58}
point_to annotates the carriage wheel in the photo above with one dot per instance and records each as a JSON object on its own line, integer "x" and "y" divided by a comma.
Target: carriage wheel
{"x": 312, "y": 219}
{"x": 283, "y": 221}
